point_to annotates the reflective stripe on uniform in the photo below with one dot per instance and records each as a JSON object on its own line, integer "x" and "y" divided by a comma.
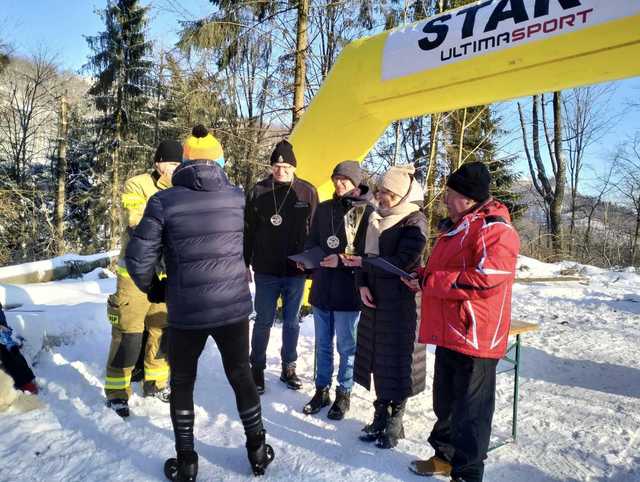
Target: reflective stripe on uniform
{"x": 133, "y": 200}
{"x": 122, "y": 271}
{"x": 117, "y": 383}
{"x": 158, "y": 374}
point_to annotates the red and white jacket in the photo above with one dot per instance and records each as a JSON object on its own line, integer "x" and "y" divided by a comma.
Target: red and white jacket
{"x": 466, "y": 289}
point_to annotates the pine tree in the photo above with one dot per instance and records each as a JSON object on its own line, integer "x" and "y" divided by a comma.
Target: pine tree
{"x": 121, "y": 66}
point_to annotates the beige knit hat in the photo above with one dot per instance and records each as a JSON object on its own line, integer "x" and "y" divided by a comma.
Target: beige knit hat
{"x": 398, "y": 179}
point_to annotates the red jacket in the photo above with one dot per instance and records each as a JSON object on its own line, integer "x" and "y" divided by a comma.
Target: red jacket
{"x": 466, "y": 291}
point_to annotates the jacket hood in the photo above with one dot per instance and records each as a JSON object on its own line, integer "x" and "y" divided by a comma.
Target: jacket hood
{"x": 200, "y": 176}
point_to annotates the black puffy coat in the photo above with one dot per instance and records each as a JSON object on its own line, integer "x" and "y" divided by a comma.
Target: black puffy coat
{"x": 334, "y": 289}
{"x": 386, "y": 340}
{"x": 197, "y": 226}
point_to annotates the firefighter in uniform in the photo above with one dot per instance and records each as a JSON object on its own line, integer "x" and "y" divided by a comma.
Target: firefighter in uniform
{"x": 128, "y": 309}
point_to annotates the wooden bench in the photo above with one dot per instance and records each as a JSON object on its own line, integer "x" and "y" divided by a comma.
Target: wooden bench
{"x": 518, "y": 327}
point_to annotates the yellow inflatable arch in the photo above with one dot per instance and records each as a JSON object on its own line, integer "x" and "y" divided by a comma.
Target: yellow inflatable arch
{"x": 484, "y": 52}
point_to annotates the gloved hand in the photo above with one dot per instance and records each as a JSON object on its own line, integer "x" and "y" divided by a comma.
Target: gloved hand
{"x": 158, "y": 291}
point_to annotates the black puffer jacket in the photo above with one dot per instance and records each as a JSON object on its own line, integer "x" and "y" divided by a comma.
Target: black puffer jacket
{"x": 334, "y": 289}
{"x": 197, "y": 226}
{"x": 386, "y": 341}
{"x": 267, "y": 247}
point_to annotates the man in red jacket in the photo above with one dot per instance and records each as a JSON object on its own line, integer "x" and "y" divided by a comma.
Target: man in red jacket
{"x": 466, "y": 312}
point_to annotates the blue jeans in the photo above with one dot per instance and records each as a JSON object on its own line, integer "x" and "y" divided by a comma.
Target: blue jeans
{"x": 343, "y": 324}
{"x": 268, "y": 290}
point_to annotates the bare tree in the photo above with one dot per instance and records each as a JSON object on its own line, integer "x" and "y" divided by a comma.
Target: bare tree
{"x": 553, "y": 195}
{"x": 27, "y": 113}
{"x": 628, "y": 185}
{"x": 587, "y": 117}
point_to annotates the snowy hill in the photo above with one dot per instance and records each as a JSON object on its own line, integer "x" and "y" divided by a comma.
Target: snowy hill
{"x": 579, "y": 413}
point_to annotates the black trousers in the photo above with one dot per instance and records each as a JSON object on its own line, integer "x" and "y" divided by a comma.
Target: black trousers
{"x": 185, "y": 347}
{"x": 464, "y": 401}
{"x": 16, "y": 366}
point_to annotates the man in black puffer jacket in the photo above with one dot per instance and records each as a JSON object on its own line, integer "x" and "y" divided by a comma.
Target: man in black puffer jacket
{"x": 197, "y": 227}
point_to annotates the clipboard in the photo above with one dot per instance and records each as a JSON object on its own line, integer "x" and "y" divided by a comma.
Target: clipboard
{"x": 311, "y": 258}
{"x": 384, "y": 265}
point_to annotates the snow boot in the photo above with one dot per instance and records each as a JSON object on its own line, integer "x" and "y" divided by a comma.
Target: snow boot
{"x": 258, "y": 379}
{"x": 376, "y": 427}
{"x": 182, "y": 469}
{"x": 120, "y": 406}
{"x": 341, "y": 405}
{"x": 432, "y": 466}
{"x": 319, "y": 400}
{"x": 289, "y": 377}
{"x": 260, "y": 454}
{"x": 394, "y": 430}
{"x": 163, "y": 394}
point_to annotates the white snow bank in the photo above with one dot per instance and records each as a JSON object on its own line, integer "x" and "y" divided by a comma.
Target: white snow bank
{"x": 47, "y": 264}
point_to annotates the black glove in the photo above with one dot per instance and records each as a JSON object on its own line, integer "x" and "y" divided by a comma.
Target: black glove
{"x": 158, "y": 290}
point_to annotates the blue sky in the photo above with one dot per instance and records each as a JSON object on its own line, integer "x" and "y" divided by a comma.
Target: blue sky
{"x": 59, "y": 27}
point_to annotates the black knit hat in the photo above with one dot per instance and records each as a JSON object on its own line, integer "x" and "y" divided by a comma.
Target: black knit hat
{"x": 351, "y": 170}
{"x": 283, "y": 152}
{"x": 471, "y": 180}
{"x": 168, "y": 151}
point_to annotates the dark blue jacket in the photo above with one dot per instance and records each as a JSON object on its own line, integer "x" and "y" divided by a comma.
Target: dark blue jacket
{"x": 197, "y": 226}
{"x": 334, "y": 289}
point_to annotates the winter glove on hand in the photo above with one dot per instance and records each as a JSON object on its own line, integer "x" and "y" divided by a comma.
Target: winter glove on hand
{"x": 158, "y": 291}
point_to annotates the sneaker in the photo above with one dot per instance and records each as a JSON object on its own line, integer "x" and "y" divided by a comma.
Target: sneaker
{"x": 30, "y": 387}
{"x": 319, "y": 400}
{"x": 258, "y": 379}
{"x": 163, "y": 394}
{"x": 289, "y": 377}
{"x": 433, "y": 466}
{"x": 340, "y": 406}
{"x": 120, "y": 406}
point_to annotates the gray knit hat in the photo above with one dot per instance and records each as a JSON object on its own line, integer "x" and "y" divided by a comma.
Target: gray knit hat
{"x": 349, "y": 169}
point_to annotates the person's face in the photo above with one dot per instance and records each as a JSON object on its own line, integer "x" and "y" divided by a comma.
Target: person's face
{"x": 456, "y": 203}
{"x": 283, "y": 172}
{"x": 342, "y": 185}
{"x": 165, "y": 169}
{"x": 387, "y": 199}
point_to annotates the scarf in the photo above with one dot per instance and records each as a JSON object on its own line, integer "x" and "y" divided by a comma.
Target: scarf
{"x": 381, "y": 220}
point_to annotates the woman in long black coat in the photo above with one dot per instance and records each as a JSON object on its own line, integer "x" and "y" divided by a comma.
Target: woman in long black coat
{"x": 386, "y": 340}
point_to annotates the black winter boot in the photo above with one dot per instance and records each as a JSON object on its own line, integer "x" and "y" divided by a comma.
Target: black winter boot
{"x": 258, "y": 379}
{"x": 260, "y": 454}
{"x": 340, "y": 406}
{"x": 182, "y": 469}
{"x": 320, "y": 399}
{"x": 394, "y": 430}
{"x": 375, "y": 428}
{"x": 120, "y": 406}
{"x": 289, "y": 377}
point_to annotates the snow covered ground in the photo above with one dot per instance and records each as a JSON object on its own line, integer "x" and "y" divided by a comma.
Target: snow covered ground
{"x": 579, "y": 416}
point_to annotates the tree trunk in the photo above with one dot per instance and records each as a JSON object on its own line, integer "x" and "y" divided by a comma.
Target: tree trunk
{"x": 301, "y": 57}
{"x": 61, "y": 177}
{"x": 555, "y": 209}
{"x": 636, "y": 235}
{"x": 430, "y": 187}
